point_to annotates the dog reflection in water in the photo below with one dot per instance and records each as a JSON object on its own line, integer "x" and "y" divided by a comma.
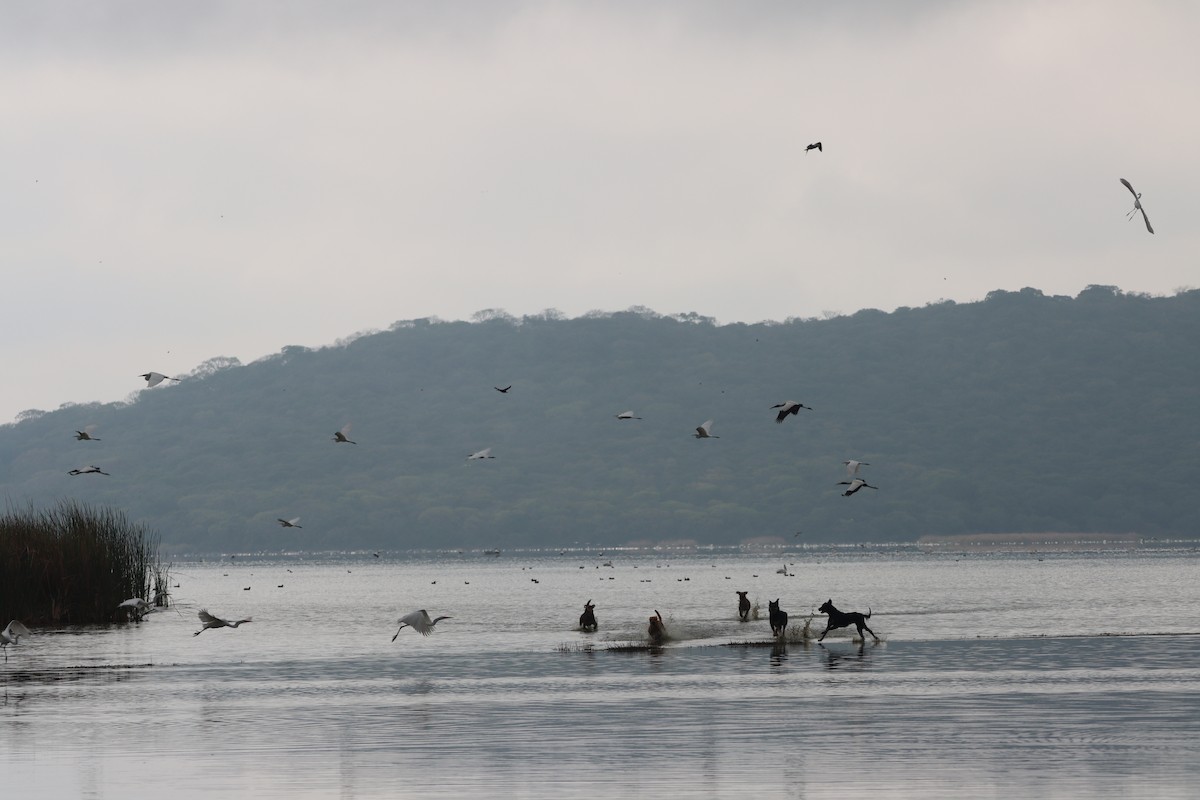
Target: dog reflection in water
{"x": 657, "y": 630}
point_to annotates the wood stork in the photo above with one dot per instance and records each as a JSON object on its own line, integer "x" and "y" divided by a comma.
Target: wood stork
{"x": 814, "y": 146}
{"x": 419, "y": 621}
{"x": 852, "y": 466}
{"x": 207, "y": 621}
{"x": 788, "y": 407}
{"x": 90, "y": 470}
{"x": 289, "y": 523}
{"x": 1137, "y": 205}
{"x": 705, "y": 431}
{"x": 11, "y": 635}
{"x": 626, "y": 415}
{"x": 855, "y": 485}
{"x": 85, "y": 435}
{"x": 155, "y": 378}
{"x": 340, "y": 436}
{"x": 484, "y": 453}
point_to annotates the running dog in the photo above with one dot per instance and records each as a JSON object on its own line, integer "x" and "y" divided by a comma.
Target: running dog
{"x": 844, "y": 619}
{"x": 587, "y": 620}
{"x": 657, "y": 630}
{"x": 743, "y": 605}
{"x": 778, "y": 617}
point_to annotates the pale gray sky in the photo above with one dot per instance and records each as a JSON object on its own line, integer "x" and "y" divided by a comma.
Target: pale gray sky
{"x": 185, "y": 180}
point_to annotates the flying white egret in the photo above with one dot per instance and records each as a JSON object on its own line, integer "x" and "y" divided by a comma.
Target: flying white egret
{"x": 340, "y": 436}
{"x": 815, "y": 146}
{"x": 85, "y": 435}
{"x": 705, "y": 431}
{"x": 1137, "y": 205}
{"x": 11, "y": 635}
{"x": 419, "y": 621}
{"x": 209, "y": 621}
{"x": 855, "y": 485}
{"x": 852, "y": 466}
{"x": 484, "y": 453}
{"x": 155, "y": 378}
{"x": 788, "y": 407}
{"x": 87, "y": 471}
{"x": 294, "y": 522}
{"x": 626, "y": 415}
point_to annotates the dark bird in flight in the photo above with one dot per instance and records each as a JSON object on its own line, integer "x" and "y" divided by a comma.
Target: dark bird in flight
{"x": 705, "y": 431}
{"x": 340, "y": 436}
{"x": 788, "y": 407}
{"x": 1137, "y": 205}
{"x": 504, "y": 390}
{"x": 289, "y": 523}
{"x": 85, "y": 435}
{"x": 814, "y": 146}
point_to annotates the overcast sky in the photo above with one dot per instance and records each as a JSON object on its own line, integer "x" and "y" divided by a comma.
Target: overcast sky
{"x": 183, "y": 180}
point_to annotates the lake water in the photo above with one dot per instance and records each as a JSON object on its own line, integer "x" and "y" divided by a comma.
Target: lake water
{"x": 1050, "y": 675}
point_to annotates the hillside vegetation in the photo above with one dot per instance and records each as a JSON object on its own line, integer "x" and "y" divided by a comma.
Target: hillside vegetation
{"x": 1022, "y": 412}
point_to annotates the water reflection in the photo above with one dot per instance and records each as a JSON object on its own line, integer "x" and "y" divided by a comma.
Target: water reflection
{"x": 845, "y": 658}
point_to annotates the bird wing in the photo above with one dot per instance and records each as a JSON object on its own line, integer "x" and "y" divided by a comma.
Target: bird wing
{"x": 705, "y": 428}
{"x": 1147, "y": 219}
{"x": 16, "y": 628}
{"x": 1129, "y": 186}
{"x": 206, "y": 617}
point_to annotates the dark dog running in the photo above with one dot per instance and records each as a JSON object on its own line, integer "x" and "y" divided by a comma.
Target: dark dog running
{"x": 743, "y": 605}
{"x": 657, "y": 630}
{"x": 844, "y": 619}
{"x": 778, "y": 617}
{"x": 587, "y": 620}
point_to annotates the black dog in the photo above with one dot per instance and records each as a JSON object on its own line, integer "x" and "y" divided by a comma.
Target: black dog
{"x": 743, "y": 605}
{"x": 843, "y": 619}
{"x": 587, "y": 620}
{"x": 778, "y": 617}
{"x": 657, "y": 630}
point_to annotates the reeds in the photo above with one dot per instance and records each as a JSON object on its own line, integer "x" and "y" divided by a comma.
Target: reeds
{"x": 72, "y": 564}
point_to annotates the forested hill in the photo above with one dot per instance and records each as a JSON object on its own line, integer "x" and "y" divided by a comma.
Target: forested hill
{"x": 1020, "y": 413}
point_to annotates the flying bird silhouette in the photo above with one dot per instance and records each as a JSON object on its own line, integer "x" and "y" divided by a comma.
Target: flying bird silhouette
{"x": 484, "y": 453}
{"x": 626, "y": 415}
{"x": 340, "y": 436}
{"x": 788, "y": 407}
{"x": 815, "y": 146}
{"x": 12, "y": 635}
{"x": 504, "y": 390}
{"x": 705, "y": 431}
{"x": 207, "y": 621}
{"x": 852, "y": 466}
{"x": 85, "y": 435}
{"x": 1137, "y": 205}
{"x": 290, "y": 523}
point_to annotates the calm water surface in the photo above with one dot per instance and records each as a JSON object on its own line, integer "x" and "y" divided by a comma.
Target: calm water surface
{"x": 1039, "y": 676}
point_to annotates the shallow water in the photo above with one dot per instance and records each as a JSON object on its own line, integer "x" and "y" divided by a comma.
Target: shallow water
{"x": 997, "y": 675}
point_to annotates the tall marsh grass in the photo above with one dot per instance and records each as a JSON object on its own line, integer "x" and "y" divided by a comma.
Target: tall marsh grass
{"x": 72, "y": 564}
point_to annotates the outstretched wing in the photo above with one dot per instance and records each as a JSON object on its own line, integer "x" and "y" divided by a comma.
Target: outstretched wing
{"x": 1147, "y": 219}
{"x": 1129, "y": 187}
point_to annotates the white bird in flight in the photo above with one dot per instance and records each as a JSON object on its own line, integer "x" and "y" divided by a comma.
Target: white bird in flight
{"x": 340, "y": 436}
{"x": 209, "y": 621}
{"x": 155, "y": 378}
{"x": 87, "y": 471}
{"x": 788, "y": 407}
{"x": 484, "y": 453}
{"x": 626, "y": 415}
{"x": 11, "y": 635}
{"x": 294, "y": 522}
{"x": 1137, "y": 205}
{"x": 852, "y": 466}
{"x": 419, "y": 621}
{"x": 85, "y": 435}
{"x": 136, "y": 607}
{"x": 705, "y": 431}
{"x": 855, "y": 485}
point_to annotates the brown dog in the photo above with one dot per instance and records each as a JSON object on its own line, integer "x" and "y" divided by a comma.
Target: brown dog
{"x": 657, "y": 630}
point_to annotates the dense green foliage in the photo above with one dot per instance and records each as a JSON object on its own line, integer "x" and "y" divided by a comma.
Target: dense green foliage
{"x": 1022, "y": 412}
{"x": 72, "y": 564}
